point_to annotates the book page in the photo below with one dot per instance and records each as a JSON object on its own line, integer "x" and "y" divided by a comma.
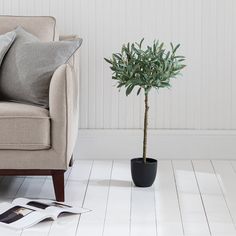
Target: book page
{"x": 49, "y": 206}
{"x": 19, "y": 217}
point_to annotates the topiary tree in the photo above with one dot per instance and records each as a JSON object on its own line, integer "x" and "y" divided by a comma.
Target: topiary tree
{"x": 148, "y": 68}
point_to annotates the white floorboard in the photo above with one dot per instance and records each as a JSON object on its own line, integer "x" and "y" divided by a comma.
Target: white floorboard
{"x": 96, "y": 199}
{"x": 169, "y": 220}
{"x": 225, "y": 172}
{"x": 191, "y": 206}
{"x": 218, "y": 214}
{"x": 188, "y": 198}
{"x": 117, "y": 220}
{"x": 31, "y": 187}
{"x": 11, "y": 186}
{"x": 143, "y": 212}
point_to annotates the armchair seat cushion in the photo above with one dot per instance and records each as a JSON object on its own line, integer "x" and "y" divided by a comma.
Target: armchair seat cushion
{"x": 24, "y": 127}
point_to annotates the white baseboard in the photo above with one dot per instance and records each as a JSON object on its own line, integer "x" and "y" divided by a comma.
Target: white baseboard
{"x": 163, "y": 144}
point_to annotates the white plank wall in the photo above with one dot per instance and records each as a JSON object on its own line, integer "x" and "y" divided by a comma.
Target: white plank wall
{"x": 204, "y": 98}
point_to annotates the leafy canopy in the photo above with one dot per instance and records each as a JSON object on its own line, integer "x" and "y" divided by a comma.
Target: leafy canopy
{"x": 148, "y": 68}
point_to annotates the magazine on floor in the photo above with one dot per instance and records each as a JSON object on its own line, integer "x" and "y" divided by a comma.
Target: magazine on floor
{"x": 23, "y": 213}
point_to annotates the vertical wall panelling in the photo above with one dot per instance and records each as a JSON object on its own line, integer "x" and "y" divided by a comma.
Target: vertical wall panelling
{"x": 204, "y": 98}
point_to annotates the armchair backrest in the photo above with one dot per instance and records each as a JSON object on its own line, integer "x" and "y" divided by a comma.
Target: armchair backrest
{"x": 43, "y": 27}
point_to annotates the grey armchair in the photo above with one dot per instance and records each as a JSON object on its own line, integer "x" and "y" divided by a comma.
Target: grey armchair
{"x": 33, "y": 140}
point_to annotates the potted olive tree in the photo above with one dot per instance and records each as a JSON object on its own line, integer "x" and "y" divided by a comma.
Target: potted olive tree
{"x": 145, "y": 68}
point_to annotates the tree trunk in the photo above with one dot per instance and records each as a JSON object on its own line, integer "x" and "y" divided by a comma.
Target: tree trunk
{"x": 145, "y": 129}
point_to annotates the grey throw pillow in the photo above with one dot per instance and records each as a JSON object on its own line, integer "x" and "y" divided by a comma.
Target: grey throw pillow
{"x": 29, "y": 65}
{"x": 6, "y": 41}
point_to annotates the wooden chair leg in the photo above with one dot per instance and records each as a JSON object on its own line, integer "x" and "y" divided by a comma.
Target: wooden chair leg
{"x": 71, "y": 161}
{"x": 58, "y": 183}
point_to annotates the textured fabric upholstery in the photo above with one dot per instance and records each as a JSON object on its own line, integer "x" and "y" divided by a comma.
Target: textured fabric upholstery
{"x": 6, "y": 41}
{"x": 24, "y": 127}
{"x": 63, "y": 107}
{"x": 63, "y": 103}
{"x": 63, "y": 113}
{"x": 43, "y": 27}
{"x": 29, "y": 65}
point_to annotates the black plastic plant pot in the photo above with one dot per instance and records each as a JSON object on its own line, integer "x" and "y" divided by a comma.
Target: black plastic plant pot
{"x": 143, "y": 174}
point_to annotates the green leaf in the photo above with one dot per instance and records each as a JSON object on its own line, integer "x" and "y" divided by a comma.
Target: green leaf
{"x": 175, "y": 49}
{"x": 107, "y": 60}
{"x": 129, "y": 89}
{"x": 141, "y": 42}
{"x": 139, "y": 90}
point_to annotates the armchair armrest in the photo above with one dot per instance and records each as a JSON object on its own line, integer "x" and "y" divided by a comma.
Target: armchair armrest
{"x": 63, "y": 110}
{"x": 64, "y": 106}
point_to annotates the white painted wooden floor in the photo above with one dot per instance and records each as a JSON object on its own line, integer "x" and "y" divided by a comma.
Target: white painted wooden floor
{"x": 188, "y": 198}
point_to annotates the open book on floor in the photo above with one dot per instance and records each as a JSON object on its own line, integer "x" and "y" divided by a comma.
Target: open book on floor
{"x": 23, "y": 213}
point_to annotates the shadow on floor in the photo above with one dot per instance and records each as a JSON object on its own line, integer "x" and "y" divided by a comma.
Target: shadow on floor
{"x": 112, "y": 183}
